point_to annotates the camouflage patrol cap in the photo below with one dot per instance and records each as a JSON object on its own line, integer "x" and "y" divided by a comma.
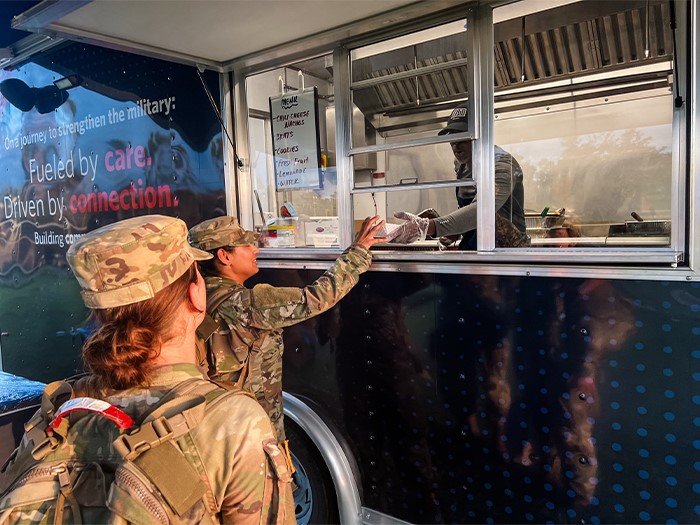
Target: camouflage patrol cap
{"x": 131, "y": 260}
{"x": 220, "y": 232}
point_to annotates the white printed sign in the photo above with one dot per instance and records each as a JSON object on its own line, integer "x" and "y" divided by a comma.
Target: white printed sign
{"x": 295, "y": 140}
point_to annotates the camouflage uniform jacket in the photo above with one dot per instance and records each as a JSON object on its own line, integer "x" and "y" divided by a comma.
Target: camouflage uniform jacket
{"x": 256, "y": 316}
{"x": 235, "y": 441}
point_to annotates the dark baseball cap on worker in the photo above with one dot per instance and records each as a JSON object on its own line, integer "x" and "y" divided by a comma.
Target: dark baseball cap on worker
{"x": 458, "y": 122}
{"x": 131, "y": 260}
{"x": 221, "y": 232}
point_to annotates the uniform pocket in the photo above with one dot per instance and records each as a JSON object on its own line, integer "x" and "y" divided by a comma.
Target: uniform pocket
{"x": 279, "y": 500}
{"x": 278, "y": 460}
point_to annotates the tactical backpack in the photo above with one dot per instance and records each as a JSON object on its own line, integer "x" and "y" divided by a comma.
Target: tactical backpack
{"x": 214, "y": 338}
{"x": 151, "y": 474}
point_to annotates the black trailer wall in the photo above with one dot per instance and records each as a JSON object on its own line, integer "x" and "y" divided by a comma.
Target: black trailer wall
{"x": 484, "y": 399}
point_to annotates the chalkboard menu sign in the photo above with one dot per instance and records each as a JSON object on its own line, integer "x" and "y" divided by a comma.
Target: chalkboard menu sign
{"x": 295, "y": 140}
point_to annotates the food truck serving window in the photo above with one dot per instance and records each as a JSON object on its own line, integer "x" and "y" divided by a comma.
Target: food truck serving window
{"x": 294, "y": 186}
{"x": 580, "y": 125}
{"x": 533, "y": 128}
{"x": 590, "y": 120}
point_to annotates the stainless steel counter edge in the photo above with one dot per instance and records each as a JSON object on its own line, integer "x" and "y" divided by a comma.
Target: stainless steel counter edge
{"x": 506, "y": 263}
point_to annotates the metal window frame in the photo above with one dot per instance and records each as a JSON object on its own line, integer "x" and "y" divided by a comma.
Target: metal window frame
{"x": 679, "y": 261}
{"x": 480, "y": 47}
{"x": 693, "y": 188}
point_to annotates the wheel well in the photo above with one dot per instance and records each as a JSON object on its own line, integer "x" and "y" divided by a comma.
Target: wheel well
{"x": 341, "y": 464}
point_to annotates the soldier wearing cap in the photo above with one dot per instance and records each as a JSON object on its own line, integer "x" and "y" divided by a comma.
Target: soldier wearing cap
{"x": 246, "y": 347}
{"x": 140, "y": 279}
{"x": 510, "y": 200}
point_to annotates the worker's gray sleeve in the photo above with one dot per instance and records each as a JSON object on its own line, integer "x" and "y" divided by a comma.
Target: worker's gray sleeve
{"x": 464, "y": 219}
{"x": 459, "y": 221}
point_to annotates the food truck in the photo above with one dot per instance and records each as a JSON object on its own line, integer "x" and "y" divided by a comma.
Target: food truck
{"x": 557, "y": 382}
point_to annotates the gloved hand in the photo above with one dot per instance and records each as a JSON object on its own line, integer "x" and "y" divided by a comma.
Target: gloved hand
{"x": 428, "y": 213}
{"x": 414, "y": 229}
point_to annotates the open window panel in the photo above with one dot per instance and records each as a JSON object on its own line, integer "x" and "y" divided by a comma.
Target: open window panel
{"x": 583, "y": 103}
{"x": 584, "y": 99}
{"x": 377, "y": 200}
{"x": 403, "y": 91}
{"x": 291, "y": 126}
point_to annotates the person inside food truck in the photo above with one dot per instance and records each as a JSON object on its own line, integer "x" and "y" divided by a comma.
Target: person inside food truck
{"x": 510, "y": 216}
{"x": 561, "y": 228}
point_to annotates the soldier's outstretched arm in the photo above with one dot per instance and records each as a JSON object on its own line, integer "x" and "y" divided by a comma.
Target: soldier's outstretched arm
{"x": 274, "y": 307}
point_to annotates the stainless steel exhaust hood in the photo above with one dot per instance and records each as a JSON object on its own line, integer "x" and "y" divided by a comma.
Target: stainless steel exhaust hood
{"x": 564, "y": 43}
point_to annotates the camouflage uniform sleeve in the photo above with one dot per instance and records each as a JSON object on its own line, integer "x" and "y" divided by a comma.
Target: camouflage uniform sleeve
{"x": 247, "y": 470}
{"x": 276, "y": 307}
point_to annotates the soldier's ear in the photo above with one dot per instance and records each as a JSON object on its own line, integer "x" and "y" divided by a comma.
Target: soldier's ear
{"x": 198, "y": 295}
{"x": 223, "y": 256}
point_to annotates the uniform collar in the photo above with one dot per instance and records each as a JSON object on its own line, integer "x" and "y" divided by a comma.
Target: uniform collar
{"x": 173, "y": 374}
{"x": 217, "y": 281}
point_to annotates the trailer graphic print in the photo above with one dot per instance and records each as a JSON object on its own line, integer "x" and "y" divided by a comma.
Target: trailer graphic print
{"x": 107, "y": 147}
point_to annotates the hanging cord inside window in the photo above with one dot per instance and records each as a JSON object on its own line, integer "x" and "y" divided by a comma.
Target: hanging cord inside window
{"x": 522, "y": 52}
{"x": 415, "y": 66}
{"x": 200, "y": 70}
{"x": 646, "y": 33}
{"x": 374, "y": 200}
{"x": 678, "y": 101}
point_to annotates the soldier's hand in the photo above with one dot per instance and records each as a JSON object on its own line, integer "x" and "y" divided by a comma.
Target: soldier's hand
{"x": 366, "y": 236}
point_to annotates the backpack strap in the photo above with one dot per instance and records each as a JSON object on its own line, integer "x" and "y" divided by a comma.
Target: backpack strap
{"x": 66, "y": 494}
{"x": 168, "y": 421}
{"x": 151, "y": 445}
{"x": 210, "y": 325}
{"x": 280, "y": 506}
{"x": 204, "y": 331}
{"x": 54, "y": 395}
